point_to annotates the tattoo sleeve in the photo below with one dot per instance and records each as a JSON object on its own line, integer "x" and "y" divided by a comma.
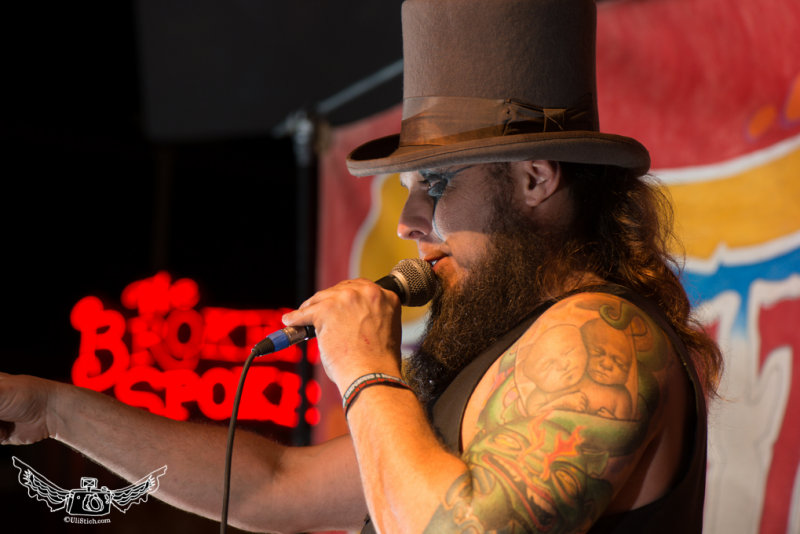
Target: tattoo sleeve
{"x": 572, "y": 403}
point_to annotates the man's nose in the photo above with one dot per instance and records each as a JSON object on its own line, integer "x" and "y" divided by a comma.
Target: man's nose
{"x": 416, "y": 219}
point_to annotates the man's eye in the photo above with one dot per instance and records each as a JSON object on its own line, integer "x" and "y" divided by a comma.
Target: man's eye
{"x": 436, "y": 187}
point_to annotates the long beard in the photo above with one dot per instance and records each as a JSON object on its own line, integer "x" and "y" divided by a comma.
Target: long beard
{"x": 464, "y": 321}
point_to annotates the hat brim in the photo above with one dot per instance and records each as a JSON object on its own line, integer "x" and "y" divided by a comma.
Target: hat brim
{"x": 384, "y": 155}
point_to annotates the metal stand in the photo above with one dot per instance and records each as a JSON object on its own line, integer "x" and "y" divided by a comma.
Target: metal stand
{"x": 304, "y": 127}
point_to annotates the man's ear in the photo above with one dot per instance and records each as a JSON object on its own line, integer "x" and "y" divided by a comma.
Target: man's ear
{"x": 541, "y": 179}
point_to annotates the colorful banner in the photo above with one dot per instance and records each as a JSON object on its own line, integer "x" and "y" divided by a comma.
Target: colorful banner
{"x": 712, "y": 88}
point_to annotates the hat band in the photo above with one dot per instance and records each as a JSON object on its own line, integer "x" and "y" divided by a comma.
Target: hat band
{"x": 442, "y": 120}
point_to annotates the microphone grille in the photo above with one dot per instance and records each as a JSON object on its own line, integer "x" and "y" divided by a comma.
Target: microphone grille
{"x": 418, "y": 281}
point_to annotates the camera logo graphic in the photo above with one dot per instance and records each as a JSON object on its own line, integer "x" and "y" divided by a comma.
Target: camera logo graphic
{"x": 88, "y": 500}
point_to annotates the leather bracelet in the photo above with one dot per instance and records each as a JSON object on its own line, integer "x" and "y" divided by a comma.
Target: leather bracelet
{"x": 372, "y": 379}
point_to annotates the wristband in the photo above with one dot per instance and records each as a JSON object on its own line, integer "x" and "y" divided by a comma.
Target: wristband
{"x": 372, "y": 379}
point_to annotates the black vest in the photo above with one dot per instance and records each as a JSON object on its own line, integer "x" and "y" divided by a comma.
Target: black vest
{"x": 680, "y": 510}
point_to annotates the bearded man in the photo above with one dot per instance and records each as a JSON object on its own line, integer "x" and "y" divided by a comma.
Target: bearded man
{"x": 551, "y": 252}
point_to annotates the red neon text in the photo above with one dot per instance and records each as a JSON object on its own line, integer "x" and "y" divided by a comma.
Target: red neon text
{"x": 153, "y": 360}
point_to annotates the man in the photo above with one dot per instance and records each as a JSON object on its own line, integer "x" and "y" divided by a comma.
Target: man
{"x": 545, "y": 241}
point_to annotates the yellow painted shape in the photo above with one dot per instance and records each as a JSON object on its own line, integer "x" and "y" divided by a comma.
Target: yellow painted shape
{"x": 750, "y": 208}
{"x": 382, "y": 248}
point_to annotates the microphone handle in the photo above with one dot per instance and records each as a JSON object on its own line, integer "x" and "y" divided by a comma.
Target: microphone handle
{"x": 391, "y": 283}
{"x": 292, "y": 335}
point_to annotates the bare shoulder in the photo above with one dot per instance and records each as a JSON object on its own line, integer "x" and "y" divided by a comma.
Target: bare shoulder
{"x": 564, "y": 417}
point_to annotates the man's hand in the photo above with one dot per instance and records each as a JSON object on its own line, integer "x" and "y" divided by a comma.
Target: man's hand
{"x": 358, "y": 329}
{"x": 24, "y": 409}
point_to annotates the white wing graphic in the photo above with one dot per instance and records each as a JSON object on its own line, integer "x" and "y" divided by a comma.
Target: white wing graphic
{"x": 39, "y": 487}
{"x": 124, "y": 498}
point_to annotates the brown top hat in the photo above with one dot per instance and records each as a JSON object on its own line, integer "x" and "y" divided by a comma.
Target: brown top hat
{"x": 498, "y": 80}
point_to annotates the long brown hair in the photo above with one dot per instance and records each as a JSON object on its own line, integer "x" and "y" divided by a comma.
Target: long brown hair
{"x": 623, "y": 233}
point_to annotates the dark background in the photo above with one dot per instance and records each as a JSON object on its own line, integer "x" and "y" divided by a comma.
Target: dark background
{"x": 138, "y": 137}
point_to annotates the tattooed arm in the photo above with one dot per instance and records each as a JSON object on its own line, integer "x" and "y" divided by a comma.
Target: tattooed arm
{"x": 541, "y": 461}
{"x": 534, "y": 460}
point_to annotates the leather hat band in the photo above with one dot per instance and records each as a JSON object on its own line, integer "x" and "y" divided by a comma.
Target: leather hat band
{"x": 443, "y": 120}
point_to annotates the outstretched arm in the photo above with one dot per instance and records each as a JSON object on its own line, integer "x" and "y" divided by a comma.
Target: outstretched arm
{"x": 273, "y": 487}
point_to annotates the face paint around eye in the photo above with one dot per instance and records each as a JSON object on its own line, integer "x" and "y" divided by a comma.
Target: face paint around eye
{"x": 437, "y": 187}
{"x": 437, "y": 181}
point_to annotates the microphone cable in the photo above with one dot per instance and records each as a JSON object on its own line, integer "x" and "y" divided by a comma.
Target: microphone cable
{"x": 226, "y": 487}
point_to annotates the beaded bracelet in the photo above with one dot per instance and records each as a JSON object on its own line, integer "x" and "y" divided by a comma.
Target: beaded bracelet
{"x": 363, "y": 382}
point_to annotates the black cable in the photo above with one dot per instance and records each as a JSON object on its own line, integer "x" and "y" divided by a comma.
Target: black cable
{"x": 226, "y": 488}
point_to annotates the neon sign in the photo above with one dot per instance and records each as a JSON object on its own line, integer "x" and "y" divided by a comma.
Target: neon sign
{"x": 170, "y": 355}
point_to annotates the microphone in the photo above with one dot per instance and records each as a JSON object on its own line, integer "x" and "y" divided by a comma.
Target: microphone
{"x": 412, "y": 280}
